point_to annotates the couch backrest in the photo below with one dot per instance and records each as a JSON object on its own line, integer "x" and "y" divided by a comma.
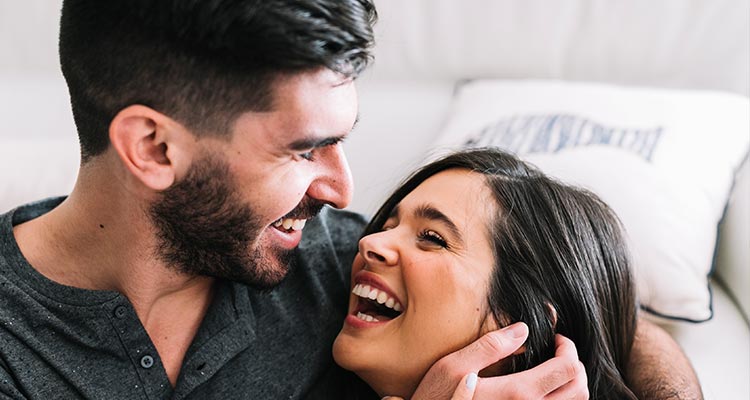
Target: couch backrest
{"x": 667, "y": 43}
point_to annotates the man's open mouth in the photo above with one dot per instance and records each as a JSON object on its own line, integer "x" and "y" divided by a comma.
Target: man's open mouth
{"x": 375, "y": 305}
{"x": 289, "y": 224}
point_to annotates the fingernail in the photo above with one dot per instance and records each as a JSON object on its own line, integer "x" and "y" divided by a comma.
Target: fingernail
{"x": 471, "y": 381}
{"x": 517, "y": 330}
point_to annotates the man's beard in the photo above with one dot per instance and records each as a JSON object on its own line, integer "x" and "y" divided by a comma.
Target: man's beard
{"x": 205, "y": 228}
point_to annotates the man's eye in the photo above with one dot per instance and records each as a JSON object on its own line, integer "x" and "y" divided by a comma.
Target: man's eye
{"x": 433, "y": 237}
{"x": 308, "y": 155}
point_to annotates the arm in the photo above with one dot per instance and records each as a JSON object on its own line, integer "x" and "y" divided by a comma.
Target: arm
{"x": 561, "y": 377}
{"x": 658, "y": 369}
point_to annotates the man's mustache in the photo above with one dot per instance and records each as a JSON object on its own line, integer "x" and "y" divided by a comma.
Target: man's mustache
{"x": 307, "y": 209}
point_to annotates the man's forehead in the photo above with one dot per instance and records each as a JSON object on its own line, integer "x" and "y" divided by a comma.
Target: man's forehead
{"x": 322, "y": 77}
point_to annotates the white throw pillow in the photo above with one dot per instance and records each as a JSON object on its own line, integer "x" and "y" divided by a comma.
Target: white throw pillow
{"x": 664, "y": 160}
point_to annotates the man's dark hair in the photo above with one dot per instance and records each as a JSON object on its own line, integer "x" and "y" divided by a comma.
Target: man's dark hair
{"x": 554, "y": 245}
{"x": 201, "y": 62}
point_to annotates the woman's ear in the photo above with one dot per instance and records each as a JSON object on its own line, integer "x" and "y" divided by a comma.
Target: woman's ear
{"x": 552, "y": 315}
{"x": 151, "y": 145}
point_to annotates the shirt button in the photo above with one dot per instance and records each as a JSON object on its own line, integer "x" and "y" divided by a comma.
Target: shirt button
{"x": 120, "y": 311}
{"x": 147, "y": 362}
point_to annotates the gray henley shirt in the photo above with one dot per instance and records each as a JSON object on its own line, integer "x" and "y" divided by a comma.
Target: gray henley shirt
{"x": 62, "y": 342}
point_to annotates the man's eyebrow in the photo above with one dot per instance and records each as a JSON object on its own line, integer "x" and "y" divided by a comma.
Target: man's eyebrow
{"x": 427, "y": 211}
{"x": 317, "y": 142}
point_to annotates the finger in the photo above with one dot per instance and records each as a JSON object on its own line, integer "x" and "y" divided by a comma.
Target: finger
{"x": 535, "y": 383}
{"x": 576, "y": 389}
{"x": 490, "y": 348}
{"x": 391, "y": 398}
{"x": 541, "y": 380}
{"x": 565, "y": 347}
{"x": 440, "y": 381}
{"x": 560, "y": 370}
{"x": 465, "y": 388}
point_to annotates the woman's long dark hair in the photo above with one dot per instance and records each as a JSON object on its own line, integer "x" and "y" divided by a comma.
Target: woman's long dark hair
{"x": 554, "y": 245}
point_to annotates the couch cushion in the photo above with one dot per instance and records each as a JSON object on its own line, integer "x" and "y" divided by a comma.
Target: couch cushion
{"x": 664, "y": 160}
{"x": 718, "y": 349}
{"x": 733, "y": 260}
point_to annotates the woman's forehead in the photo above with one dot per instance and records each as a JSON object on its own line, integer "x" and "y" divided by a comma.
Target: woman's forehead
{"x": 460, "y": 194}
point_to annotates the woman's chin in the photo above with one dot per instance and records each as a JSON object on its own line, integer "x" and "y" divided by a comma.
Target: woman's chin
{"x": 341, "y": 353}
{"x": 352, "y": 354}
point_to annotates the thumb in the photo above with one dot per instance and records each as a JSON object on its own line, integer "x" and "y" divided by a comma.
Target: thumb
{"x": 492, "y": 347}
{"x": 465, "y": 389}
{"x": 485, "y": 351}
{"x": 391, "y": 398}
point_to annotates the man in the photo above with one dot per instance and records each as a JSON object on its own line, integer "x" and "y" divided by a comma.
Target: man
{"x": 177, "y": 267}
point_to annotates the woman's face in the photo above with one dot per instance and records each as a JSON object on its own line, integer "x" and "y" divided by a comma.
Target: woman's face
{"x": 420, "y": 285}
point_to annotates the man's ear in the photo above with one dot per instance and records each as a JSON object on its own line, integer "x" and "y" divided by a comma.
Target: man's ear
{"x": 151, "y": 145}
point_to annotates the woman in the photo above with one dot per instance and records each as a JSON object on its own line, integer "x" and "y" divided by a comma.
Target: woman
{"x": 479, "y": 240}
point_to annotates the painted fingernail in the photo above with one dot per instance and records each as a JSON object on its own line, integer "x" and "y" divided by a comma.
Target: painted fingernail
{"x": 517, "y": 330}
{"x": 471, "y": 381}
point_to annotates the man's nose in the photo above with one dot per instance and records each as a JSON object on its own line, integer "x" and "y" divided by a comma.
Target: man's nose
{"x": 378, "y": 249}
{"x": 334, "y": 184}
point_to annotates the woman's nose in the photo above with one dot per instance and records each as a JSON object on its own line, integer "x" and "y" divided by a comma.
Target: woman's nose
{"x": 378, "y": 249}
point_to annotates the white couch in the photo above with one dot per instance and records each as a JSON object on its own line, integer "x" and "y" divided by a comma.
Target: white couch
{"x": 426, "y": 50}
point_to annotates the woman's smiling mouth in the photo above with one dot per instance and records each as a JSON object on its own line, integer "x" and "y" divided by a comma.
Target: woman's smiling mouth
{"x": 375, "y": 305}
{"x": 375, "y": 302}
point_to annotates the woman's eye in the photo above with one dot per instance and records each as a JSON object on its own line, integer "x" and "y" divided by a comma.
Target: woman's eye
{"x": 433, "y": 237}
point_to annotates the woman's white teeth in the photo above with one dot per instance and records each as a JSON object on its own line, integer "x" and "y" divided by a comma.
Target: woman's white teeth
{"x": 290, "y": 223}
{"x": 382, "y": 297}
{"x": 365, "y": 317}
{"x": 367, "y": 292}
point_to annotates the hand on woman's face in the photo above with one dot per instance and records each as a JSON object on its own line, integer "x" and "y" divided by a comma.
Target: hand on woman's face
{"x": 420, "y": 285}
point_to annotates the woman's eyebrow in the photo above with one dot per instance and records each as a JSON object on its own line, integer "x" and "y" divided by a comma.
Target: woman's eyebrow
{"x": 427, "y": 211}
{"x": 394, "y": 212}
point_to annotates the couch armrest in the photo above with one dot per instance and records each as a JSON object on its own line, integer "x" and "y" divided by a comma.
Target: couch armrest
{"x": 733, "y": 253}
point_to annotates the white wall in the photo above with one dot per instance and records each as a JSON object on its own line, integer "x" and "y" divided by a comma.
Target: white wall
{"x": 28, "y": 36}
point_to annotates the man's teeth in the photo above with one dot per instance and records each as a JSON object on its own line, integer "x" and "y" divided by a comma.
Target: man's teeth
{"x": 367, "y": 292}
{"x": 365, "y": 317}
{"x": 290, "y": 223}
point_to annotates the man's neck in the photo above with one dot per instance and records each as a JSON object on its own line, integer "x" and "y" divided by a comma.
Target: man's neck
{"x": 105, "y": 242}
